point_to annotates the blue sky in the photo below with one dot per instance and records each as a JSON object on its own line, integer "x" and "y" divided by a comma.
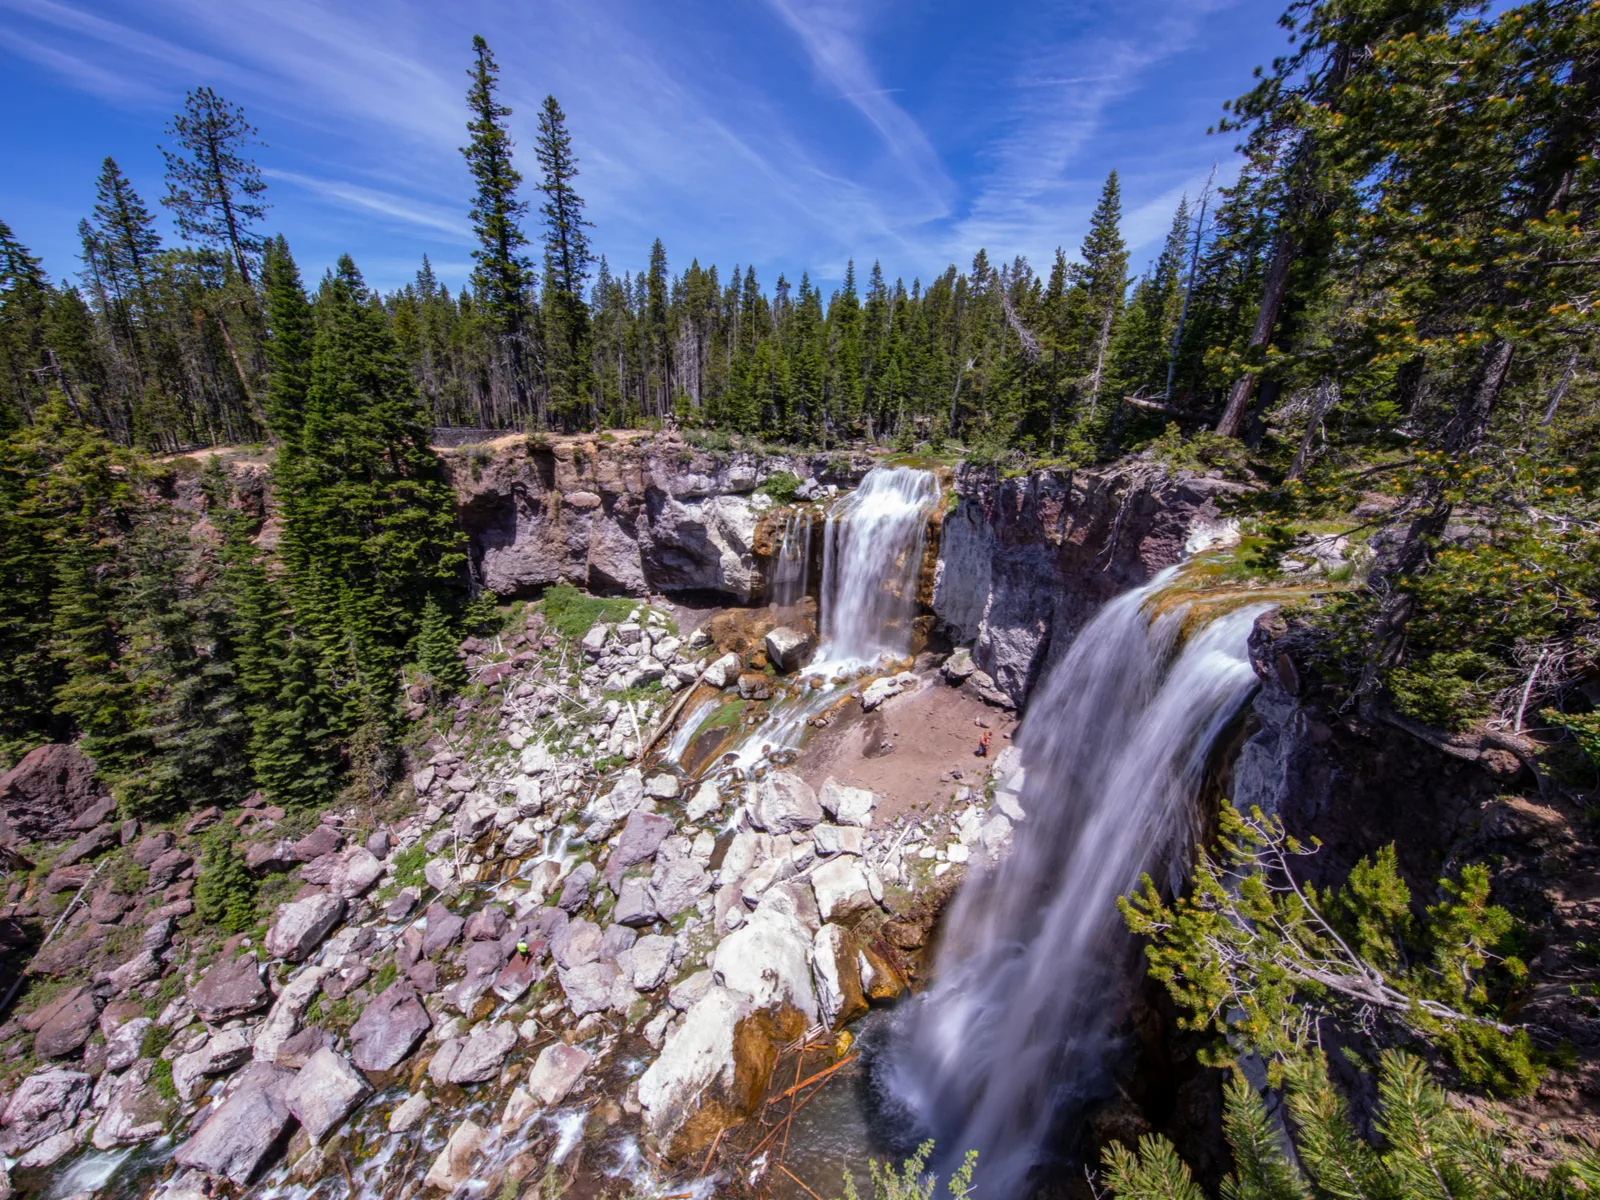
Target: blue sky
{"x": 792, "y": 134}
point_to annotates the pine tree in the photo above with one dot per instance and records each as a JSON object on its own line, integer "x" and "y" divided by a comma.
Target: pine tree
{"x": 213, "y": 189}
{"x": 369, "y": 522}
{"x": 502, "y": 274}
{"x": 288, "y": 346}
{"x": 295, "y": 746}
{"x": 128, "y": 231}
{"x": 566, "y": 267}
{"x": 1103, "y": 278}
{"x": 435, "y": 650}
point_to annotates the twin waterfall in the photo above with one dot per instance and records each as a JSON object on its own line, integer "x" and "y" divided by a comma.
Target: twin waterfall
{"x": 1014, "y": 1038}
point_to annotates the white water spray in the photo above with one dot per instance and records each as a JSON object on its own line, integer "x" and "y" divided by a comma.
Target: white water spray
{"x": 1017, "y": 1028}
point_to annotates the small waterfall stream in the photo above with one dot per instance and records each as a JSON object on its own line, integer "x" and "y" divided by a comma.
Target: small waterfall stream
{"x": 1018, "y": 1026}
{"x": 790, "y": 573}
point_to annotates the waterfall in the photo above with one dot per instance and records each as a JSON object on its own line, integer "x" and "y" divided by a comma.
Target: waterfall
{"x": 871, "y": 562}
{"x": 790, "y": 567}
{"x": 1017, "y": 1027}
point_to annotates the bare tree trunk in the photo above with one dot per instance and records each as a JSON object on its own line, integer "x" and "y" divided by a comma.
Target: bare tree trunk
{"x": 1327, "y": 397}
{"x": 1560, "y": 390}
{"x": 1100, "y": 361}
{"x": 1272, "y": 293}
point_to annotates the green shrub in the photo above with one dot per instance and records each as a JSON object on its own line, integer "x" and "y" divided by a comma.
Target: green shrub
{"x": 1448, "y": 689}
{"x": 225, "y": 892}
{"x": 161, "y": 1080}
{"x": 1584, "y": 728}
{"x": 781, "y": 486}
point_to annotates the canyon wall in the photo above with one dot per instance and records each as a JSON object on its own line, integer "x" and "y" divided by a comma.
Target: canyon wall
{"x": 1025, "y": 562}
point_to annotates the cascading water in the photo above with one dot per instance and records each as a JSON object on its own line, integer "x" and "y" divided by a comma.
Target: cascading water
{"x": 871, "y": 560}
{"x": 791, "y": 566}
{"x": 1017, "y": 1028}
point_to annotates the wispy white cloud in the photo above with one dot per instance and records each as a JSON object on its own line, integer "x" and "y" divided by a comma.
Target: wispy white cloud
{"x": 830, "y": 31}
{"x": 118, "y": 87}
{"x": 365, "y": 199}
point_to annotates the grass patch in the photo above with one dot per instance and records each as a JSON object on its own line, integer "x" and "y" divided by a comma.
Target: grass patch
{"x": 572, "y": 613}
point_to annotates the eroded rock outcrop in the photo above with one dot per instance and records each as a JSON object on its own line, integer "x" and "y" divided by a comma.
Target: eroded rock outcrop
{"x": 1025, "y": 563}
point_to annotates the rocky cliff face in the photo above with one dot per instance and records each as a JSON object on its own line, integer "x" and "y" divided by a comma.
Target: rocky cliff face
{"x": 1024, "y": 563}
{"x": 637, "y": 514}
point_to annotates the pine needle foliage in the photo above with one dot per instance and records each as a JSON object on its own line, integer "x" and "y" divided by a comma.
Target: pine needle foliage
{"x": 1256, "y": 955}
{"x": 1423, "y": 1148}
{"x": 225, "y": 892}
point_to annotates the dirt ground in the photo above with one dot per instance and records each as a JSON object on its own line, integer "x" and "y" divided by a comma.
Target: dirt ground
{"x": 901, "y": 750}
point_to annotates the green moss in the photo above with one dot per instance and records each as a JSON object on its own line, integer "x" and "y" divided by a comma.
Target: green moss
{"x": 408, "y": 865}
{"x": 161, "y": 1080}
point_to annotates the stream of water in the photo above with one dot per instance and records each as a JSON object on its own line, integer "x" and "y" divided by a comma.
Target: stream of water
{"x": 1017, "y": 1031}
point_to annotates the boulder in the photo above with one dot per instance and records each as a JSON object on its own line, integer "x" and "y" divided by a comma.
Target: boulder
{"x": 958, "y": 668}
{"x": 876, "y": 692}
{"x": 575, "y": 892}
{"x": 634, "y": 905}
{"x": 594, "y": 641}
{"x": 841, "y": 888}
{"x": 453, "y": 1166}
{"x": 662, "y": 787}
{"x": 576, "y": 943}
{"x": 48, "y": 789}
{"x": 64, "y": 1025}
{"x": 696, "y": 1058}
{"x": 217, "y": 1055}
{"x": 753, "y": 685}
{"x": 88, "y": 845}
{"x": 837, "y": 977}
{"x": 474, "y": 818}
{"x": 838, "y": 839}
{"x": 288, "y": 1010}
{"x": 243, "y": 1132}
{"x": 326, "y": 1091}
{"x": 135, "y": 1111}
{"x": 388, "y": 1029}
{"x": 300, "y": 925}
{"x": 705, "y": 801}
{"x": 556, "y": 1071}
{"x": 152, "y": 846}
{"x": 722, "y": 673}
{"x": 785, "y": 803}
{"x": 295, "y": 1052}
{"x": 641, "y": 837}
{"x": 124, "y": 1041}
{"x": 229, "y": 989}
{"x": 588, "y": 987}
{"x": 678, "y": 880}
{"x": 847, "y": 805}
{"x": 444, "y": 929}
{"x": 625, "y": 796}
{"x": 357, "y": 871}
{"x": 261, "y": 857}
{"x": 488, "y": 924}
{"x": 410, "y": 1111}
{"x": 45, "y": 1103}
{"x": 166, "y": 869}
{"x": 788, "y": 648}
{"x": 652, "y": 960}
{"x": 479, "y": 1056}
{"x": 517, "y": 976}
{"x": 768, "y": 958}
{"x": 324, "y": 839}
